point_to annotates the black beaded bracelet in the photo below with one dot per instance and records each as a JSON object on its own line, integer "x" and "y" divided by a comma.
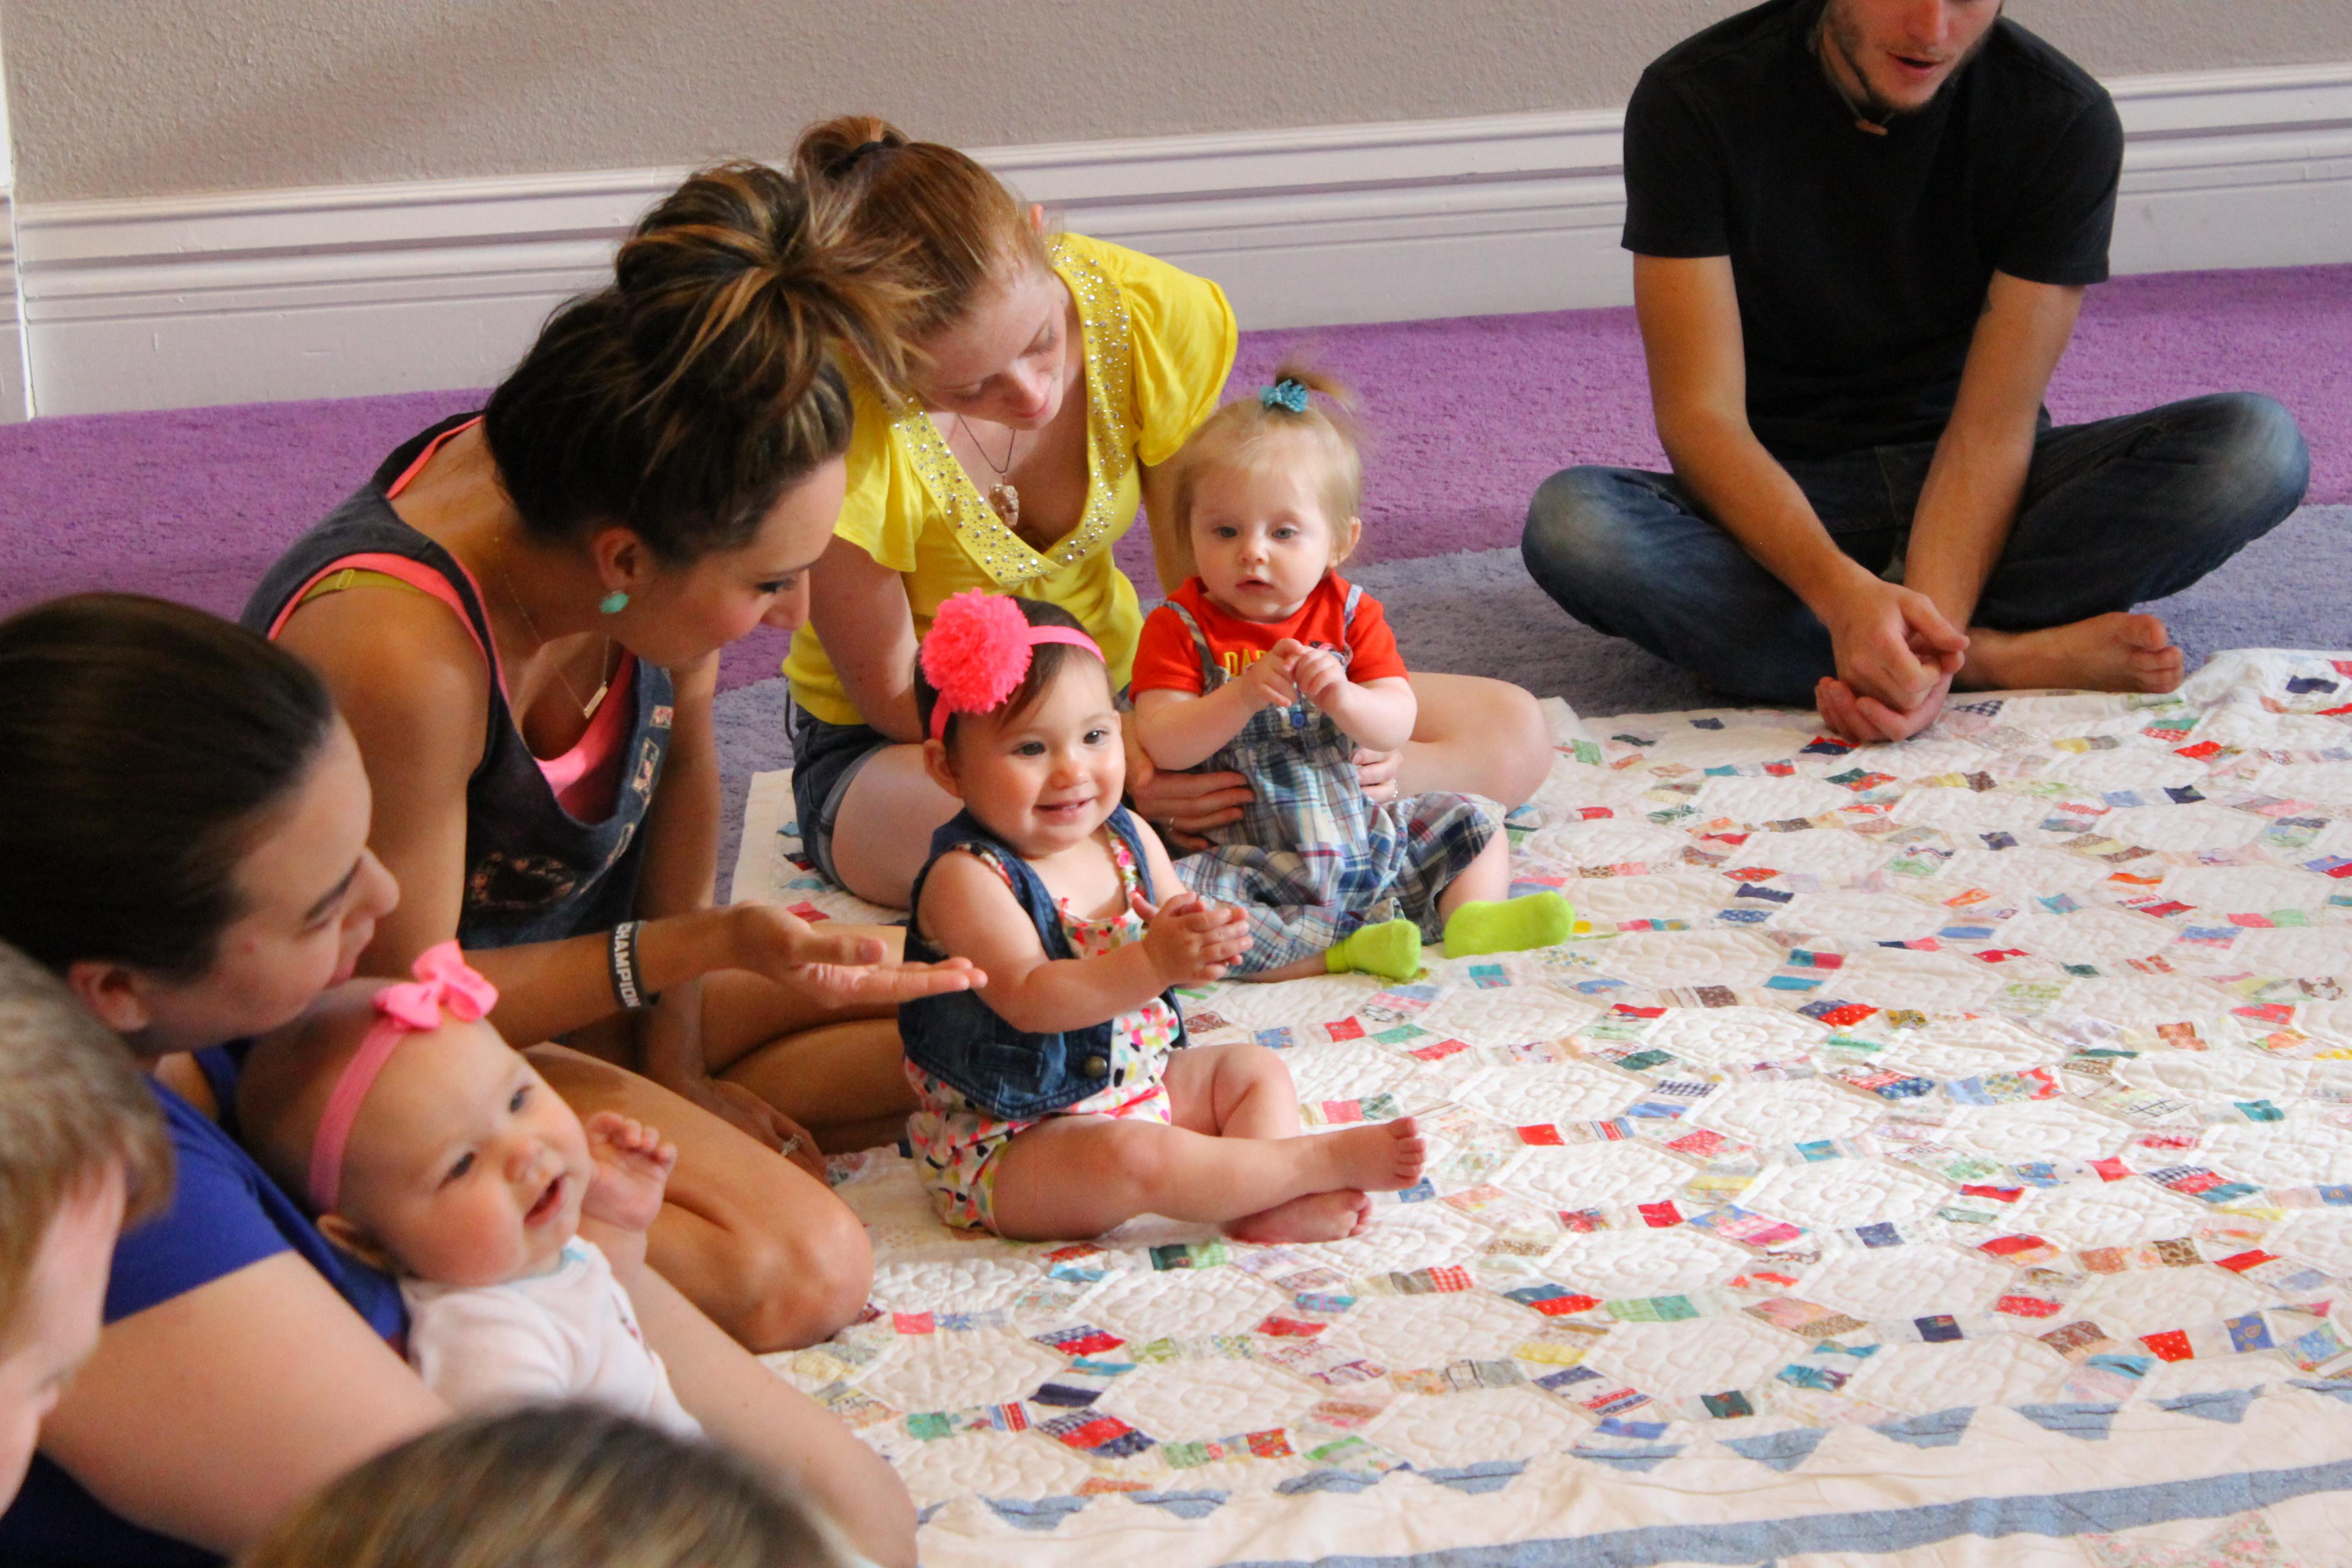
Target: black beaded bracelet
{"x": 621, "y": 955}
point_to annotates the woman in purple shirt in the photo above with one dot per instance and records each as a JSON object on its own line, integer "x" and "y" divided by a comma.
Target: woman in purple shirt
{"x": 186, "y": 844}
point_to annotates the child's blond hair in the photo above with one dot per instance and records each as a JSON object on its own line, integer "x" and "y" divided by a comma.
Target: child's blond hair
{"x": 1301, "y": 402}
{"x": 74, "y": 1107}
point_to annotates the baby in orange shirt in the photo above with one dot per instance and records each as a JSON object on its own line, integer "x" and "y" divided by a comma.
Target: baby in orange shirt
{"x": 1269, "y": 663}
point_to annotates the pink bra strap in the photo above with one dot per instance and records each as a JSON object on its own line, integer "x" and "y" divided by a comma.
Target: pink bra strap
{"x": 432, "y": 449}
{"x": 401, "y": 568}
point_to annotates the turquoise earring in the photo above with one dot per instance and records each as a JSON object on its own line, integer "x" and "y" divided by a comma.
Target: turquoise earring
{"x": 613, "y": 602}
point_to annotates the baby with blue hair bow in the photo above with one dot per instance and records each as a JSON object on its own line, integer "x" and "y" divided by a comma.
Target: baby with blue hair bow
{"x": 1269, "y": 663}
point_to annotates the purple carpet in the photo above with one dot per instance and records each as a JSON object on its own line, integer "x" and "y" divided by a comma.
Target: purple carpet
{"x": 1466, "y": 417}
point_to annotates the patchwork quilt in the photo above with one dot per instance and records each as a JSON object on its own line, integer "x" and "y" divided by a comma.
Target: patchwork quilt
{"x": 1933, "y": 1154}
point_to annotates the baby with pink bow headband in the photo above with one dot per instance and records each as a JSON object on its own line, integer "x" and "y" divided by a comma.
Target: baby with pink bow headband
{"x": 1062, "y": 1097}
{"x": 430, "y": 1149}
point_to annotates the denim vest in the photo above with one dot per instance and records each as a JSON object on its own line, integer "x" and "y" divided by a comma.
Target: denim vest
{"x": 958, "y": 1039}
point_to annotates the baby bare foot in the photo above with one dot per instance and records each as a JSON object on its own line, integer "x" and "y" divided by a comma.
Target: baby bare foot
{"x": 1317, "y": 1216}
{"x": 1382, "y": 1158}
{"x": 2115, "y": 652}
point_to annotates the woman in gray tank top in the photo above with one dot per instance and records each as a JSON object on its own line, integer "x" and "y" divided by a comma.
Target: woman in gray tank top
{"x": 521, "y": 615}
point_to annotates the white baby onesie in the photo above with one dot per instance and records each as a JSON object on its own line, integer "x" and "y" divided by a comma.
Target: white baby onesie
{"x": 567, "y": 1334}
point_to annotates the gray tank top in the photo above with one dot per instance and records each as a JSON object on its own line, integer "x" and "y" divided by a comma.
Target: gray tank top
{"x": 533, "y": 871}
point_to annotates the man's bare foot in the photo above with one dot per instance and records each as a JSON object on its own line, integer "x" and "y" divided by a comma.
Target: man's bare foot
{"x": 1381, "y": 1158}
{"x": 1317, "y": 1216}
{"x": 2115, "y": 652}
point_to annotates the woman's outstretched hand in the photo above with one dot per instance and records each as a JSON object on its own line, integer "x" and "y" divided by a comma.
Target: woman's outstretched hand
{"x": 837, "y": 971}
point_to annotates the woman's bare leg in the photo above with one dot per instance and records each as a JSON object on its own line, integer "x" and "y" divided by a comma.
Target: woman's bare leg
{"x": 1476, "y": 736}
{"x": 765, "y": 1249}
{"x": 834, "y": 1071}
{"x": 742, "y": 1011}
{"x": 846, "y": 1083}
{"x": 1486, "y": 878}
{"x": 780, "y": 1431}
{"x": 883, "y": 835}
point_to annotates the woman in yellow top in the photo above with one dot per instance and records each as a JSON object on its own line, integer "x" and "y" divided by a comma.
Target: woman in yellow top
{"x": 1054, "y": 377}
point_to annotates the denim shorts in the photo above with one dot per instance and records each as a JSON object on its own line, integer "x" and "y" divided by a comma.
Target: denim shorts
{"x": 826, "y": 761}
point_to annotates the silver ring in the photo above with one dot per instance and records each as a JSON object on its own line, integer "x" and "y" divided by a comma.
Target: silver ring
{"x": 791, "y": 1146}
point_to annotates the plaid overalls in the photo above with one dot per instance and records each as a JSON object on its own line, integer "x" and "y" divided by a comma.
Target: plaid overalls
{"x": 1313, "y": 857}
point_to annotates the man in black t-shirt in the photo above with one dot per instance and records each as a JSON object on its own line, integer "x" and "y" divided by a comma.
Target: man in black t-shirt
{"x": 1862, "y": 230}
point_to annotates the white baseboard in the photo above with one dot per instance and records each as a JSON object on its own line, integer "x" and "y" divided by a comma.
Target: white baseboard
{"x": 16, "y": 372}
{"x": 341, "y": 292}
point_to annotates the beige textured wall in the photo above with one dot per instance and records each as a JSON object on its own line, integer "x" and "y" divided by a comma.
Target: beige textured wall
{"x": 126, "y": 98}
{"x": 7, "y": 152}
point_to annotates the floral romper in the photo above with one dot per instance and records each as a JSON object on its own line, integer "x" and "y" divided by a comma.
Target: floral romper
{"x": 956, "y": 1142}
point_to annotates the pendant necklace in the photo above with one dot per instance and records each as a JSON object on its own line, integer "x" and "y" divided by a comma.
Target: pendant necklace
{"x": 596, "y": 699}
{"x": 1003, "y": 496}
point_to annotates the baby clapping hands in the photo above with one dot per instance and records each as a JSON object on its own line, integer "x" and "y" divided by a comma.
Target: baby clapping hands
{"x": 1054, "y": 1101}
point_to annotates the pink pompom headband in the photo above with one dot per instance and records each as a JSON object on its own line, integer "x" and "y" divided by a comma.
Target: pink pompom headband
{"x": 978, "y": 651}
{"x": 444, "y": 987}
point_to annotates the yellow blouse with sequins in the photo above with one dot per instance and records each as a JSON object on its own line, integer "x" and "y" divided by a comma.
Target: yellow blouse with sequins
{"x": 1158, "y": 345}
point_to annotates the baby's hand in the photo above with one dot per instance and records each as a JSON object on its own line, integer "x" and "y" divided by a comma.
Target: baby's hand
{"x": 1268, "y": 681}
{"x": 633, "y": 1167}
{"x": 1319, "y": 674}
{"x": 1190, "y": 941}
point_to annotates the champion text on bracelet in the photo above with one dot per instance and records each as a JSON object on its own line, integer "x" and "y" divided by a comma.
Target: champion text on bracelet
{"x": 622, "y": 957}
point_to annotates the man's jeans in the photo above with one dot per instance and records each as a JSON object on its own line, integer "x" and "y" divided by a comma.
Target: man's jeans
{"x": 2115, "y": 513}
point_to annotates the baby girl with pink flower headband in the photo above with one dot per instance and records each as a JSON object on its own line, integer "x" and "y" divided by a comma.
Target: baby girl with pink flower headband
{"x": 1061, "y": 1098}
{"x": 431, "y": 1150}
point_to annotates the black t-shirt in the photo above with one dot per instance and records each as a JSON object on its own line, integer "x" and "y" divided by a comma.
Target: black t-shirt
{"x": 1862, "y": 261}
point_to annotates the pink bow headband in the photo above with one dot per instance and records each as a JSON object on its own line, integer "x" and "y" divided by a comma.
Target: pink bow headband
{"x": 444, "y": 987}
{"x": 979, "y": 650}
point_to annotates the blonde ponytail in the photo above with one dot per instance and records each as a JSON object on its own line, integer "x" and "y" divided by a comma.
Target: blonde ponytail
{"x": 1300, "y": 400}
{"x": 943, "y": 227}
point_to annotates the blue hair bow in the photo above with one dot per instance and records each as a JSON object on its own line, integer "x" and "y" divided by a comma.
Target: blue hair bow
{"x": 1284, "y": 394}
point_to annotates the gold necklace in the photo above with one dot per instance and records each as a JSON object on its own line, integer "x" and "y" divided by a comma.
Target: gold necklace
{"x": 1004, "y": 496}
{"x": 596, "y": 699}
